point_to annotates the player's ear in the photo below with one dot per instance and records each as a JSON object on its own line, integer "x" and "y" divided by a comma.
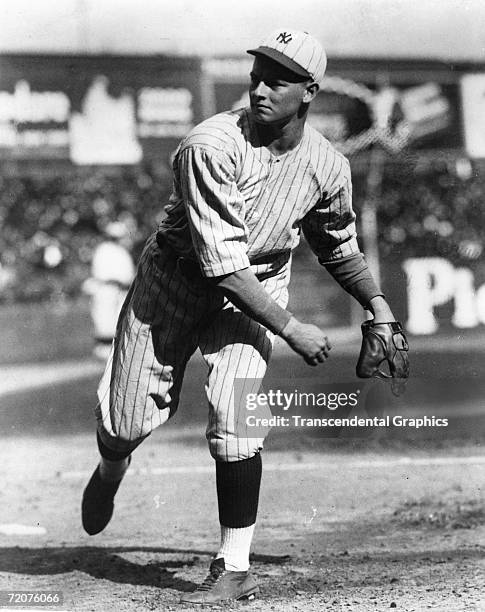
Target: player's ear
{"x": 311, "y": 90}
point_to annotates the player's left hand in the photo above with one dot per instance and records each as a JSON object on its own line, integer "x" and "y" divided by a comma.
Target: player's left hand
{"x": 381, "y": 343}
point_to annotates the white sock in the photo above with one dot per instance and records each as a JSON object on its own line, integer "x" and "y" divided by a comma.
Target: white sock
{"x": 234, "y": 548}
{"x": 112, "y": 471}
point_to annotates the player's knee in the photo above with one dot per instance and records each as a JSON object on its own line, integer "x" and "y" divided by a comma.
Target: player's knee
{"x": 234, "y": 450}
{"x": 116, "y": 447}
{"x": 112, "y": 454}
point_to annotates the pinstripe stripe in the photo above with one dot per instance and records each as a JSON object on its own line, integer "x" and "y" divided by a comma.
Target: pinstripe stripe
{"x": 295, "y": 52}
{"x": 134, "y": 423}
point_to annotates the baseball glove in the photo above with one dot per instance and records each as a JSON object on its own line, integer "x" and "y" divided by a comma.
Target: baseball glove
{"x": 381, "y": 343}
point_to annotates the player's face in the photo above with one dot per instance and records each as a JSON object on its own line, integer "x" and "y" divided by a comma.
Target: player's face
{"x": 275, "y": 93}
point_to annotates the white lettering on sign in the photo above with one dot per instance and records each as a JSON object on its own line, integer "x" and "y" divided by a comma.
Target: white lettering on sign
{"x": 105, "y": 131}
{"x": 31, "y": 138}
{"x": 165, "y": 105}
{"x": 424, "y": 103}
{"x": 473, "y": 96}
{"x": 41, "y": 138}
{"x": 27, "y": 106}
{"x": 434, "y": 281}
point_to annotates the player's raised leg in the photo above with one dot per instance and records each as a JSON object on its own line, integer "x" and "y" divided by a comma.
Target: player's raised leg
{"x": 141, "y": 384}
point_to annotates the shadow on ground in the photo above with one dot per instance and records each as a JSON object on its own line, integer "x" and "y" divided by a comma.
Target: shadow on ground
{"x": 109, "y": 563}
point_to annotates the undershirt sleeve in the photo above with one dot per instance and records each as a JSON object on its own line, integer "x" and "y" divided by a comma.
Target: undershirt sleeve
{"x": 353, "y": 274}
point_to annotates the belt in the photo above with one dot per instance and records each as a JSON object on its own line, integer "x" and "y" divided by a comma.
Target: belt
{"x": 191, "y": 269}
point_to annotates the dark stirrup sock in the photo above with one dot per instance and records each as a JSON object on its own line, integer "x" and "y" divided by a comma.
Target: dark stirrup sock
{"x": 109, "y": 454}
{"x": 238, "y": 485}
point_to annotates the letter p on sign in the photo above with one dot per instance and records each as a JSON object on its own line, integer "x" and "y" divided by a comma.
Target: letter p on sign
{"x": 431, "y": 282}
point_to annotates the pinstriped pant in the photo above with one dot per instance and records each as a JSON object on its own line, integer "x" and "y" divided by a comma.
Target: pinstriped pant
{"x": 165, "y": 318}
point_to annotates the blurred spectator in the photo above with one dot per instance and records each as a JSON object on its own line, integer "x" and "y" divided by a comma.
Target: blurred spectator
{"x": 112, "y": 270}
{"x": 51, "y": 225}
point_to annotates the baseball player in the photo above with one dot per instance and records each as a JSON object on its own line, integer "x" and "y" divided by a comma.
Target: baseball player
{"x": 214, "y": 277}
{"x": 112, "y": 270}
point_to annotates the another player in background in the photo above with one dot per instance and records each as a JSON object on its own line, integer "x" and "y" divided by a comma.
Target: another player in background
{"x": 112, "y": 271}
{"x": 215, "y": 277}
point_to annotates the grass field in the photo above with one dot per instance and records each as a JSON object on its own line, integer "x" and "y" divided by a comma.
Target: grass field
{"x": 372, "y": 519}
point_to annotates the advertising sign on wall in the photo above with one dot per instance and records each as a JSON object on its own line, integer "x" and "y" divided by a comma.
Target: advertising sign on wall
{"x": 96, "y": 110}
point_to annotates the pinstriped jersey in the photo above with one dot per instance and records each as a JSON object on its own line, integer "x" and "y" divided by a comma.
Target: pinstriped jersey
{"x": 235, "y": 204}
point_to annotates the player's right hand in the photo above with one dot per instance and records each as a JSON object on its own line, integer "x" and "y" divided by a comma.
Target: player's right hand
{"x": 307, "y": 340}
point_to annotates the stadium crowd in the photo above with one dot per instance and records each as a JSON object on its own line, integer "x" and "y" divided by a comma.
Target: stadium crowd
{"x": 436, "y": 210}
{"x": 52, "y": 224}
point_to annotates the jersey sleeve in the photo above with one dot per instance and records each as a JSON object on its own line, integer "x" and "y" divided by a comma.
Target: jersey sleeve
{"x": 329, "y": 227}
{"x": 215, "y": 211}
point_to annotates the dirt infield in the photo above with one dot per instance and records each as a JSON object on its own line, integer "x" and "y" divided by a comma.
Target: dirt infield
{"x": 356, "y": 530}
{"x": 390, "y": 518}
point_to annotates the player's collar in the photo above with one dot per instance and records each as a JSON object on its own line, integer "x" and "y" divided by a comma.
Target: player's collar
{"x": 268, "y": 155}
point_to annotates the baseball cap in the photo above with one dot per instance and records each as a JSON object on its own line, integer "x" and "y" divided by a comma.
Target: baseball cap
{"x": 296, "y": 50}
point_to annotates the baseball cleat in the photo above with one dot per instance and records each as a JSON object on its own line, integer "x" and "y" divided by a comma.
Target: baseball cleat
{"x": 221, "y": 585}
{"x": 97, "y": 505}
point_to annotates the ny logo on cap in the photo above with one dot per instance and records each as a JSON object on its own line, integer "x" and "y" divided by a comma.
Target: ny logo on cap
{"x": 284, "y": 37}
